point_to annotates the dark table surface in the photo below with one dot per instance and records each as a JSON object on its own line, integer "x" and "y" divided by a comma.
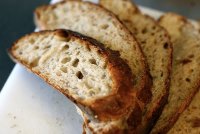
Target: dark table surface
{"x": 16, "y": 19}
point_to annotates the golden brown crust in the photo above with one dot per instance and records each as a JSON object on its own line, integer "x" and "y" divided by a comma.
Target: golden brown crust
{"x": 122, "y": 97}
{"x": 144, "y": 92}
{"x": 131, "y": 121}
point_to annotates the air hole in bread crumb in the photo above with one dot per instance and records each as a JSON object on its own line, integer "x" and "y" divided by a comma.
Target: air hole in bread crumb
{"x": 103, "y": 76}
{"x": 92, "y": 93}
{"x": 144, "y": 30}
{"x": 32, "y": 41}
{"x": 58, "y": 73}
{"x": 105, "y": 65}
{"x": 63, "y": 69}
{"x": 79, "y": 75}
{"x": 34, "y": 63}
{"x": 143, "y": 42}
{"x": 67, "y": 39}
{"x": 36, "y": 47}
{"x": 165, "y": 45}
{"x": 66, "y": 47}
{"x": 78, "y": 53}
{"x": 75, "y": 63}
{"x": 65, "y": 60}
{"x": 94, "y": 24}
{"x": 104, "y": 26}
{"x": 108, "y": 86}
{"x": 185, "y": 61}
{"x": 191, "y": 56}
{"x": 161, "y": 74}
{"x": 187, "y": 79}
{"x": 46, "y": 47}
{"x": 20, "y": 53}
{"x": 93, "y": 61}
{"x": 99, "y": 51}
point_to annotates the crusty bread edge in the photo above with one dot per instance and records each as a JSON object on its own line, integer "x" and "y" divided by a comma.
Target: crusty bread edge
{"x": 131, "y": 128}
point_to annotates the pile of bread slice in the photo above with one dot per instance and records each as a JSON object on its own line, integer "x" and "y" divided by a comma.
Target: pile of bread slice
{"x": 127, "y": 72}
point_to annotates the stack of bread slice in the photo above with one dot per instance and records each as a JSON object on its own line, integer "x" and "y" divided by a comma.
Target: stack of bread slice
{"x": 157, "y": 48}
{"x": 115, "y": 63}
{"x": 185, "y": 78}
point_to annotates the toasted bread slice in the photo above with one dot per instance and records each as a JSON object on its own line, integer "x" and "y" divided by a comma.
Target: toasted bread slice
{"x": 157, "y": 48}
{"x": 185, "y": 79}
{"x": 100, "y": 24}
{"x": 189, "y": 120}
{"x": 95, "y": 78}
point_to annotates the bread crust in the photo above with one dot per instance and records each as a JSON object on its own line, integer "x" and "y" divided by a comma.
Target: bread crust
{"x": 123, "y": 93}
{"x": 132, "y": 124}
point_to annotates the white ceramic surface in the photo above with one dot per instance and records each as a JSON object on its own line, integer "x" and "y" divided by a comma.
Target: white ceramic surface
{"x": 30, "y": 106}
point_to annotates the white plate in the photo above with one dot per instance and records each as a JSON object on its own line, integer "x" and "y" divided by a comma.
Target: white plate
{"x": 30, "y": 106}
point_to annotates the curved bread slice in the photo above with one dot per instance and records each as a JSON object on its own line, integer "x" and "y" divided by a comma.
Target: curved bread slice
{"x": 189, "y": 120}
{"x": 185, "y": 79}
{"x": 157, "y": 48}
{"x": 98, "y": 23}
{"x": 93, "y": 21}
{"x": 95, "y": 78}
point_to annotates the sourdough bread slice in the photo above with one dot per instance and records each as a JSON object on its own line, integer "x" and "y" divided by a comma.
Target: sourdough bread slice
{"x": 95, "y": 78}
{"x": 100, "y": 24}
{"x": 96, "y": 22}
{"x": 185, "y": 79}
{"x": 157, "y": 48}
{"x": 189, "y": 120}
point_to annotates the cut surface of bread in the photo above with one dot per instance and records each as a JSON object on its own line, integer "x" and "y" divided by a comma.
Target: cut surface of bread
{"x": 189, "y": 120}
{"x": 79, "y": 67}
{"x": 157, "y": 48}
{"x": 94, "y": 21}
{"x": 95, "y": 78}
{"x": 185, "y": 79}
